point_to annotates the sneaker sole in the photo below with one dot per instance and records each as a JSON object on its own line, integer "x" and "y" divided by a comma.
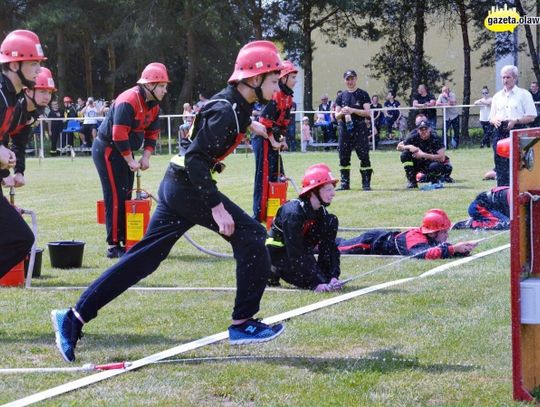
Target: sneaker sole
{"x": 58, "y": 340}
{"x": 254, "y": 340}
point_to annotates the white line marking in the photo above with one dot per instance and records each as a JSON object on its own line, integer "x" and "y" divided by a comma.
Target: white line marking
{"x": 85, "y": 381}
{"x": 68, "y": 288}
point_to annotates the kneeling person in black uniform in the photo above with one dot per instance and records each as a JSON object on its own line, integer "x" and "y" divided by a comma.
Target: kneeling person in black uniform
{"x": 301, "y": 227}
{"x": 423, "y": 151}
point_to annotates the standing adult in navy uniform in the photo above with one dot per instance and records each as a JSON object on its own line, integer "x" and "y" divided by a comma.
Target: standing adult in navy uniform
{"x": 188, "y": 196}
{"x": 20, "y": 57}
{"x": 132, "y": 122}
{"x": 352, "y": 109}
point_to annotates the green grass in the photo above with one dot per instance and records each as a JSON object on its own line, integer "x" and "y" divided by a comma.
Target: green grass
{"x": 443, "y": 340}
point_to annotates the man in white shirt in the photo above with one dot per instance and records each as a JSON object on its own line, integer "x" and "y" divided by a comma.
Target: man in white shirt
{"x": 511, "y": 108}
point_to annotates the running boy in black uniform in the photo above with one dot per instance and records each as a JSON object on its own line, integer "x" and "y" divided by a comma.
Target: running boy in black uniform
{"x": 188, "y": 196}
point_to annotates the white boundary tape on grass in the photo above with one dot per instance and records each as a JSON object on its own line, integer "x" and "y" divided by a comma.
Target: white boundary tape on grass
{"x": 85, "y": 381}
{"x": 69, "y": 288}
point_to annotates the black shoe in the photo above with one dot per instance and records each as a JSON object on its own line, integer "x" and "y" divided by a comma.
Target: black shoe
{"x": 115, "y": 252}
{"x": 463, "y": 224}
{"x": 343, "y": 187}
{"x": 412, "y": 185}
{"x": 366, "y": 188}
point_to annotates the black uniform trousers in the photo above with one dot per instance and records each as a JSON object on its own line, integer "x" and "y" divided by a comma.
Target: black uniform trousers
{"x": 181, "y": 207}
{"x": 434, "y": 170}
{"x": 116, "y": 182}
{"x": 16, "y": 237}
{"x": 357, "y": 139}
{"x": 502, "y": 164}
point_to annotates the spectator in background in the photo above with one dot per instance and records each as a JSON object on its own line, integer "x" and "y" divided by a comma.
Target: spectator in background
{"x": 306, "y": 134}
{"x": 80, "y": 105}
{"x": 187, "y": 118}
{"x": 70, "y": 111}
{"x": 485, "y": 105}
{"x": 392, "y": 115}
{"x": 535, "y": 92}
{"x": 377, "y": 116}
{"x": 448, "y": 98}
{"x": 327, "y": 126}
{"x": 291, "y": 129}
{"x": 55, "y": 127}
{"x": 90, "y": 113}
{"x": 425, "y": 99}
{"x": 511, "y": 108}
{"x": 203, "y": 98}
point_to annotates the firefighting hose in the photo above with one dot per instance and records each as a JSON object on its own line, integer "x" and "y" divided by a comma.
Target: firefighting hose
{"x": 32, "y": 214}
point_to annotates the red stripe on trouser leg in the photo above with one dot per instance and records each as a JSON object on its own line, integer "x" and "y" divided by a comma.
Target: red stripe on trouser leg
{"x": 110, "y": 176}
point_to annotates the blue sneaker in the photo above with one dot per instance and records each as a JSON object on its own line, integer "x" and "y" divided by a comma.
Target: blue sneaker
{"x": 67, "y": 330}
{"x": 253, "y": 331}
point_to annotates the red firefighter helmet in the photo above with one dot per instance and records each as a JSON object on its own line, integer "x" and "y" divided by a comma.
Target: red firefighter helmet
{"x": 21, "y": 45}
{"x": 288, "y": 67}
{"x": 45, "y": 80}
{"x": 435, "y": 220}
{"x": 256, "y": 58}
{"x": 316, "y": 176}
{"x": 503, "y": 147}
{"x": 154, "y": 72}
{"x": 67, "y": 99}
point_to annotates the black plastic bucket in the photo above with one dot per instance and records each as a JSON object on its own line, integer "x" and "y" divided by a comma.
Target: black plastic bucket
{"x": 37, "y": 264}
{"x": 66, "y": 254}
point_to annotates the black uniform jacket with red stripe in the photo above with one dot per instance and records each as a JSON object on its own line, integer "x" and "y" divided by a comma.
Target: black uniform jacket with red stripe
{"x": 131, "y": 121}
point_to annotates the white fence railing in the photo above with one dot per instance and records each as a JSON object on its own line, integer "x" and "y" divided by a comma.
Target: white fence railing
{"x": 172, "y": 137}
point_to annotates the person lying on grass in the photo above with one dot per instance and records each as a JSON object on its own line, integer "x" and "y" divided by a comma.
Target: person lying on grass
{"x": 428, "y": 242}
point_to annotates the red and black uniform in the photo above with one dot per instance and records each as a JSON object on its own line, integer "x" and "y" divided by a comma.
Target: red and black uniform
{"x": 434, "y": 170}
{"x": 131, "y": 123}
{"x": 16, "y": 238}
{"x": 276, "y": 117}
{"x": 20, "y": 132}
{"x": 297, "y": 232}
{"x": 491, "y": 209}
{"x": 392, "y": 243}
{"x": 186, "y": 196}
{"x": 354, "y": 135}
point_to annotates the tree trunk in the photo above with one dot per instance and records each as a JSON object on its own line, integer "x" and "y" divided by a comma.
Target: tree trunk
{"x": 87, "y": 53}
{"x": 186, "y": 93}
{"x": 463, "y": 20}
{"x": 61, "y": 61}
{"x": 307, "y": 57}
{"x": 111, "y": 82}
{"x": 418, "y": 57}
{"x": 530, "y": 42}
{"x": 257, "y": 19}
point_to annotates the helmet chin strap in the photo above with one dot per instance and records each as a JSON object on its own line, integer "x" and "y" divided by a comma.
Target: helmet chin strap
{"x": 258, "y": 90}
{"x": 284, "y": 87}
{"x": 29, "y": 84}
{"x": 318, "y": 195}
{"x": 152, "y": 91}
{"x": 32, "y": 98}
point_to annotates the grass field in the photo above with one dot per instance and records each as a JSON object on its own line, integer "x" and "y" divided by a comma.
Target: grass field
{"x": 443, "y": 340}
